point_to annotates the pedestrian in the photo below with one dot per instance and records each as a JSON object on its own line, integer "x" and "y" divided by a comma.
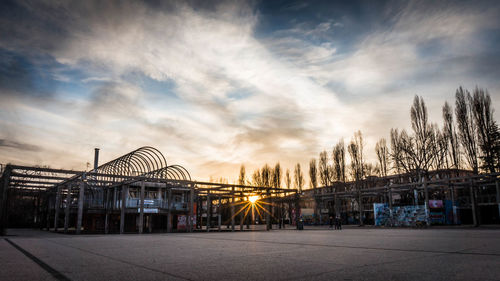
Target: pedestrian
{"x": 331, "y": 222}
{"x": 339, "y": 223}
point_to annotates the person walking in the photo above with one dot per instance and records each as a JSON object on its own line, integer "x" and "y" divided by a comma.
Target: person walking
{"x": 338, "y": 224}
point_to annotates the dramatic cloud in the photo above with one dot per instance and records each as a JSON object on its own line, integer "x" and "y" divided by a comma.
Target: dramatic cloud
{"x": 217, "y": 85}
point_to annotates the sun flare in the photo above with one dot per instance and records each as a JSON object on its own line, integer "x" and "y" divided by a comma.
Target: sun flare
{"x": 253, "y": 199}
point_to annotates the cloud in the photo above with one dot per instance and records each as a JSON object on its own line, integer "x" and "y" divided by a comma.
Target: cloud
{"x": 18, "y": 145}
{"x": 223, "y": 93}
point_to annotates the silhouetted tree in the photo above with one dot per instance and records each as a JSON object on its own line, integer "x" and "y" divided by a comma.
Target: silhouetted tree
{"x": 338, "y": 155}
{"x": 487, "y": 129}
{"x": 382, "y": 156}
{"x": 324, "y": 169}
{"x": 277, "y": 175}
{"x": 242, "y": 178}
{"x": 313, "y": 173}
{"x": 355, "y": 149}
{"x": 288, "y": 179}
{"x": 257, "y": 178}
{"x": 299, "y": 177}
{"x": 266, "y": 175}
{"x": 451, "y": 135}
{"x": 466, "y": 127}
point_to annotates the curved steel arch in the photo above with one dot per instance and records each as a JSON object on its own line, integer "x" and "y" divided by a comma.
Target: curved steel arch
{"x": 142, "y": 161}
{"x": 146, "y": 161}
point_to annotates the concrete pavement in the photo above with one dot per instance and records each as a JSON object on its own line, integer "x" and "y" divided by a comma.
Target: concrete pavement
{"x": 350, "y": 254}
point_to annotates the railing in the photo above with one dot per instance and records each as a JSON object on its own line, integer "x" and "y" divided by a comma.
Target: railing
{"x": 136, "y": 203}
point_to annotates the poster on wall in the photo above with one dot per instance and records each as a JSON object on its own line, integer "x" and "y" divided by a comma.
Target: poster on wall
{"x": 437, "y": 212}
{"x": 181, "y": 222}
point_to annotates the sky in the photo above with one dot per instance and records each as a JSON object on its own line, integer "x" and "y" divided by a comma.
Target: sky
{"x": 217, "y": 84}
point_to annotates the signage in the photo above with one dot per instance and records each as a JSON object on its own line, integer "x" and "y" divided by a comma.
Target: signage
{"x": 148, "y": 210}
{"x": 149, "y": 202}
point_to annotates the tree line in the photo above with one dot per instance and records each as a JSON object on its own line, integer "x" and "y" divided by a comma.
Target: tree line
{"x": 469, "y": 138}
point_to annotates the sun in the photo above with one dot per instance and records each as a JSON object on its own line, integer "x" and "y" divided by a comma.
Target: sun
{"x": 253, "y": 199}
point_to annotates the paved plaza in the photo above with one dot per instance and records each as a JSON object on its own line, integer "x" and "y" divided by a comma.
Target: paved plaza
{"x": 320, "y": 254}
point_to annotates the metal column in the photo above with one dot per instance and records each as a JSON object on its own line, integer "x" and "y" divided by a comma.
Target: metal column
{"x": 191, "y": 207}
{"x": 141, "y": 211}
{"x": 3, "y": 202}
{"x": 498, "y": 197}
{"x": 106, "y": 210}
{"x": 56, "y": 207}
{"x": 81, "y": 198}
{"x": 67, "y": 210}
{"x": 360, "y": 207}
{"x": 219, "y": 215}
{"x": 427, "y": 210}
{"x": 124, "y": 207}
{"x": 473, "y": 202}
{"x": 169, "y": 211}
{"x": 209, "y": 211}
{"x": 232, "y": 208}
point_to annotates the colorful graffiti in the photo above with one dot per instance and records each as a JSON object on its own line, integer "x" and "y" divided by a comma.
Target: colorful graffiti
{"x": 399, "y": 216}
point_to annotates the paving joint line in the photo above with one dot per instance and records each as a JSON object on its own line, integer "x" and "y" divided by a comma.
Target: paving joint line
{"x": 349, "y": 247}
{"x": 55, "y": 273}
{"x": 122, "y": 261}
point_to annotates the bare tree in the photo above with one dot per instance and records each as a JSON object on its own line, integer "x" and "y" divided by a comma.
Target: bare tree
{"x": 242, "y": 178}
{"x": 371, "y": 170}
{"x": 257, "y": 178}
{"x": 324, "y": 169}
{"x": 421, "y": 144}
{"x": 355, "y": 149}
{"x": 440, "y": 148}
{"x": 487, "y": 129}
{"x": 266, "y": 174}
{"x": 313, "y": 174}
{"x": 451, "y": 135}
{"x": 338, "y": 155}
{"x": 277, "y": 175}
{"x": 466, "y": 127}
{"x": 288, "y": 179}
{"x": 299, "y": 177}
{"x": 382, "y": 156}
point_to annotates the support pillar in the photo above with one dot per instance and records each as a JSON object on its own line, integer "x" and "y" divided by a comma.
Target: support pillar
{"x": 427, "y": 210}
{"x": 209, "y": 211}
{"x": 241, "y": 216}
{"x": 124, "y": 207}
{"x": 219, "y": 215}
{"x": 169, "y": 211}
{"x": 473, "y": 202}
{"x": 47, "y": 214}
{"x": 269, "y": 226}
{"x": 498, "y": 197}
{"x": 56, "y": 207}
{"x": 141, "y": 211}
{"x": 191, "y": 207}
{"x": 114, "y": 199}
{"x": 360, "y": 208}
{"x": 106, "y": 210}
{"x": 67, "y": 209}
{"x": 390, "y": 204}
{"x": 297, "y": 210}
{"x": 232, "y": 208}
{"x": 81, "y": 198}
{"x": 453, "y": 203}
{"x": 3, "y": 201}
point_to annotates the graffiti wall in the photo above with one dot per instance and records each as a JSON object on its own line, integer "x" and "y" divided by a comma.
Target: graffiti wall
{"x": 399, "y": 216}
